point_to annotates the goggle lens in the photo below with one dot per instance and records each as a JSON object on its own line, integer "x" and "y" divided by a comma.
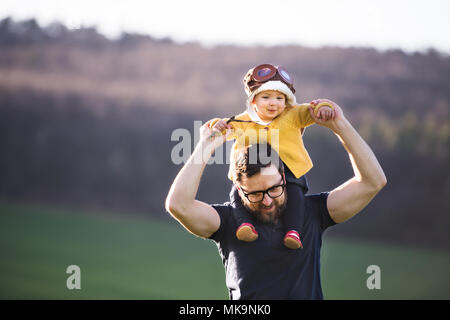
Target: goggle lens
{"x": 264, "y": 72}
{"x": 285, "y": 75}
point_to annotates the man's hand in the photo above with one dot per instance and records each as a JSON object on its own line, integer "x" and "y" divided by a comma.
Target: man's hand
{"x": 215, "y": 136}
{"x": 334, "y": 123}
{"x": 221, "y": 125}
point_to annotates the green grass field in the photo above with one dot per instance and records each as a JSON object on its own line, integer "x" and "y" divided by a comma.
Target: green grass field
{"x": 127, "y": 257}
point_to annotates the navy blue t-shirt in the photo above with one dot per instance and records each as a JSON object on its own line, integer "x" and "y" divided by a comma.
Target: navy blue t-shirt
{"x": 265, "y": 268}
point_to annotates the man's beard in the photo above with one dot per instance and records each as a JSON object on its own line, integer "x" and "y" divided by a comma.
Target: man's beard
{"x": 263, "y": 218}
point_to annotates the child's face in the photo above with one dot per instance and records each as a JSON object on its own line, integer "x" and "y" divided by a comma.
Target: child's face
{"x": 269, "y": 104}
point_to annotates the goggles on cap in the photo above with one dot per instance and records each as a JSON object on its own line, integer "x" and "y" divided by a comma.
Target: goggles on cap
{"x": 265, "y": 72}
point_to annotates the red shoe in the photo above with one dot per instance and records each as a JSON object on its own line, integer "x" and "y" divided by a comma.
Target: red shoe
{"x": 246, "y": 232}
{"x": 292, "y": 240}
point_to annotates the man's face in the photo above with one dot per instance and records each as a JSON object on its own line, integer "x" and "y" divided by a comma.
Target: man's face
{"x": 269, "y": 209}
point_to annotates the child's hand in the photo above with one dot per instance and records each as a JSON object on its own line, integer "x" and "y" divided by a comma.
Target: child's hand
{"x": 336, "y": 122}
{"x": 221, "y": 126}
{"x": 325, "y": 113}
{"x": 212, "y": 136}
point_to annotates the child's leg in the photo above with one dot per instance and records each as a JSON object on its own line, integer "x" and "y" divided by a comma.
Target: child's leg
{"x": 245, "y": 230}
{"x": 303, "y": 183}
{"x": 294, "y": 216}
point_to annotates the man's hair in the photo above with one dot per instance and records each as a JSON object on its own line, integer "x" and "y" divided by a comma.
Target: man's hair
{"x": 250, "y": 160}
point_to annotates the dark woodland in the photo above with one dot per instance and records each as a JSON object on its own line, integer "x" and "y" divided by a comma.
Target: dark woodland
{"x": 87, "y": 121}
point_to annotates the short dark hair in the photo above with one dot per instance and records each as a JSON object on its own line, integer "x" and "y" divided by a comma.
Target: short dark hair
{"x": 249, "y": 160}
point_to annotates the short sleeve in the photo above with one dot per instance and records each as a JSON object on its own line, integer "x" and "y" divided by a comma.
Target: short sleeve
{"x": 318, "y": 205}
{"x": 225, "y": 212}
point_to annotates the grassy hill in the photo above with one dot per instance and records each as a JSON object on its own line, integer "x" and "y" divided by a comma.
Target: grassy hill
{"x": 129, "y": 257}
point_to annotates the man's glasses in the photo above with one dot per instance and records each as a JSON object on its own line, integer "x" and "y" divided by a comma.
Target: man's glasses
{"x": 273, "y": 192}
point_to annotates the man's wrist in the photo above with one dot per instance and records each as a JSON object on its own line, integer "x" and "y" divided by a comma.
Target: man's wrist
{"x": 341, "y": 126}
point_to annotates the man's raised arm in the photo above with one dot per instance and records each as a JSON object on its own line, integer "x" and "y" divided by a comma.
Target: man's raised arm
{"x": 197, "y": 217}
{"x": 352, "y": 196}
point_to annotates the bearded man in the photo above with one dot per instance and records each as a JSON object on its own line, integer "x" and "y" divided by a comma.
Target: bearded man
{"x": 265, "y": 268}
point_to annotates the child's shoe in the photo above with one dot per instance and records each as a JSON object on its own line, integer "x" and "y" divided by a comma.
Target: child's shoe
{"x": 292, "y": 240}
{"x": 246, "y": 232}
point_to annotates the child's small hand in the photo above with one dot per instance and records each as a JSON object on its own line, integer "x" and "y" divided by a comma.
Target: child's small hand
{"x": 221, "y": 126}
{"x": 325, "y": 113}
{"x": 336, "y": 122}
{"x": 212, "y": 136}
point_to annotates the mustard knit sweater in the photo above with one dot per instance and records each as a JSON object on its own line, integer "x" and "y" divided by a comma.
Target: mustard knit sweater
{"x": 284, "y": 134}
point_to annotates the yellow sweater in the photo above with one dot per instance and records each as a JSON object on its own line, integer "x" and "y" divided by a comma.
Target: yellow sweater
{"x": 284, "y": 134}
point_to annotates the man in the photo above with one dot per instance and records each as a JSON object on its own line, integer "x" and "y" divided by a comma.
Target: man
{"x": 265, "y": 269}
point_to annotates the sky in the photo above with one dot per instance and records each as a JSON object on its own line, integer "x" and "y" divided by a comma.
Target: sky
{"x": 413, "y": 25}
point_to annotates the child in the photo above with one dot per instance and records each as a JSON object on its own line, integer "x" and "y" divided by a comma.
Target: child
{"x": 272, "y": 108}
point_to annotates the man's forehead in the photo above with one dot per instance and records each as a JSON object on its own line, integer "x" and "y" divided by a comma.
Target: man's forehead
{"x": 268, "y": 177}
{"x": 270, "y": 171}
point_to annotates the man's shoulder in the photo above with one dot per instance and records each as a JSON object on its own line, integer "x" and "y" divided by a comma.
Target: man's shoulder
{"x": 317, "y": 197}
{"x": 222, "y": 207}
{"x": 316, "y": 206}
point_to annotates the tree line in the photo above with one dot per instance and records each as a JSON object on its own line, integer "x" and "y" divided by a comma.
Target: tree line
{"x": 88, "y": 121}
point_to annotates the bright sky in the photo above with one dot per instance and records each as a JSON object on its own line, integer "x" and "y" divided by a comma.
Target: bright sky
{"x": 407, "y": 24}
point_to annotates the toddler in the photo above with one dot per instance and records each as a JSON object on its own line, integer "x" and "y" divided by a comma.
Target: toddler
{"x": 272, "y": 115}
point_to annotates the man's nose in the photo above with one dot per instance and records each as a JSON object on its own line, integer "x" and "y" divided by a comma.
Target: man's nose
{"x": 267, "y": 201}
